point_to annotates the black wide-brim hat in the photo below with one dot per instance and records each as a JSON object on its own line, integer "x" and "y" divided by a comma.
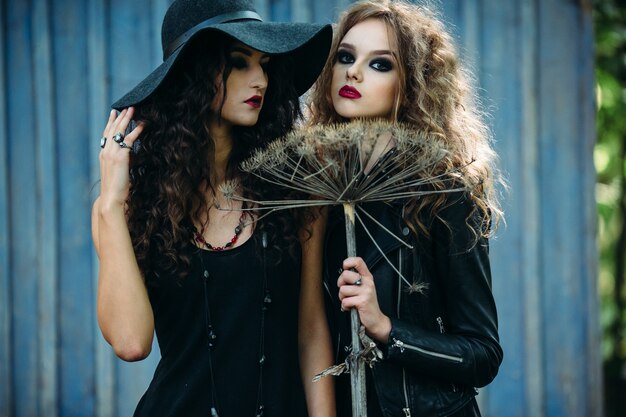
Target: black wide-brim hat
{"x": 308, "y": 44}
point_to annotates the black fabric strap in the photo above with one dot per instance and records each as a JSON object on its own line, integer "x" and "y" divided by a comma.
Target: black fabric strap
{"x": 222, "y": 18}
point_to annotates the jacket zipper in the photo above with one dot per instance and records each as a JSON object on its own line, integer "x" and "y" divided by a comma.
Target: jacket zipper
{"x": 406, "y": 409}
{"x": 327, "y": 290}
{"x": 440, "y": 322}
{"x": 442, "y": 330}
{"x": 401, "y": 345}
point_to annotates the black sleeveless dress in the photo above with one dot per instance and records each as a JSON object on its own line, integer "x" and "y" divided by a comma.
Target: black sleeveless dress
{"x": 231, "y": 300}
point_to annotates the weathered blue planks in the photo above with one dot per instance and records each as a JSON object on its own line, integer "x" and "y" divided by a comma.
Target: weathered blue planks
{"x": 301, "y": 11}
{"x": 47, "y": 191}
{"x": 58, "y": 76}
{"x": 76, "y": 341}
{"x": 6, "y": 307}
{"x": 130, "y": 43}
{"x": 280, "y": 11}
{"x": 562, "y": 148}
{"x": 529, "y": 179}
{"x": 500, "y": 47}
{"x": 327, "y": 11}
{"x": 471, "y": 15}
{"x": 23, "y": 208}
{"x": 97, "y": 111}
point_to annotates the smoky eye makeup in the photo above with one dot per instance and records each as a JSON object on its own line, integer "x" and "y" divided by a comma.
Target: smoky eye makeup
{"x": 381, "y": 64}
{"x": 236, "y": 60}
{"x": 344, "y": 57}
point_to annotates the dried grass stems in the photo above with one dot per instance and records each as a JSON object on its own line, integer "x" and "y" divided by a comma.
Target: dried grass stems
{"x": 351, "y": 163}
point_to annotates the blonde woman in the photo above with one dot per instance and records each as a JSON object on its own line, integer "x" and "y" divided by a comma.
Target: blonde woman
{"x": 395, "y": 60}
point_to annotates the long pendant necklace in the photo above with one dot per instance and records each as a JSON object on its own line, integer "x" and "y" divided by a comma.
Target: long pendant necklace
{"x": 199, "y": 236}
{"x": 212, "y": 336}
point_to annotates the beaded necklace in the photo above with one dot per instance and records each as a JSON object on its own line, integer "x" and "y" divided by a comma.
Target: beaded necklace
{"x": 238, "y": 229}
{"x": 212, "y": 337}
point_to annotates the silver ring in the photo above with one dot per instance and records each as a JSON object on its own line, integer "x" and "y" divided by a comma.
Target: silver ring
{"x": 123, "y": 145}
{"x": 103, "y": 141}
{"x": 359, "y": 281}
{"x": 118, "y": 138}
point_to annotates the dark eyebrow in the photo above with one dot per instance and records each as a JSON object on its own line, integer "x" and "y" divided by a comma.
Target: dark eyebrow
{"x": 240, "y": 49}
{"x": 376, "y": 52}
{"x": 382, "y": 52}
{"x": 346, "y": 46}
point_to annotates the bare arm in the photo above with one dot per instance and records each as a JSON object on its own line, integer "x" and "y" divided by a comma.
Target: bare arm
{"x": 314, "y": 336}
{"x": 123, "y": 308}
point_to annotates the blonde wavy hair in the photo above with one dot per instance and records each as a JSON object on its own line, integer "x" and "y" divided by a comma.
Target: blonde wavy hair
{"x": 436, "y": 97}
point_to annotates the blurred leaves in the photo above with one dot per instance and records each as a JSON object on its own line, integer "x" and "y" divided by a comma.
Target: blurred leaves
{"x": 610, "y": 161}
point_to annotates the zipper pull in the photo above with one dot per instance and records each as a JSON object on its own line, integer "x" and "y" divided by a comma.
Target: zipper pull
{"x": 407, "y": 411}
{"x": 211, "y": 335}
{"x": 398, "y": 344}
{"x": 440, "y": 321}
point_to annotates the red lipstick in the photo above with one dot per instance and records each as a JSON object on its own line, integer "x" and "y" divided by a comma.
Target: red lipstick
{"x": 349, "y": 92}
{"x": 254, "y": 101}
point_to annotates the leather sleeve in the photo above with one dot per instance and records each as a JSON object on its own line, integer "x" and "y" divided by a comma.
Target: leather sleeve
{"x": 468, "y": 352}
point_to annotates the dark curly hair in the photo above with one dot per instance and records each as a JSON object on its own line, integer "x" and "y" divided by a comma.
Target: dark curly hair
{"x": 170, "y": 174}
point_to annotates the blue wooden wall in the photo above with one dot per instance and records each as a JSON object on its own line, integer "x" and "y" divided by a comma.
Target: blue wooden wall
{"x": 63, "y": 61}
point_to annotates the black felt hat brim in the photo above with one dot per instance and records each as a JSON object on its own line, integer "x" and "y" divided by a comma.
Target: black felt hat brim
{"x": 307, "y": 44}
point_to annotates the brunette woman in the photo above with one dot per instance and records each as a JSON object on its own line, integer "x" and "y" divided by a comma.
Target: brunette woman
{"x": 218, "y": 283}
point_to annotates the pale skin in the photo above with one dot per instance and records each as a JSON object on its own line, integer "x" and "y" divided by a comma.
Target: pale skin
{"x": 124, "y": 312}
{"x": 313, "y": 335}
{"x": 366, "y": 62}
{"x": 123, "y": 308}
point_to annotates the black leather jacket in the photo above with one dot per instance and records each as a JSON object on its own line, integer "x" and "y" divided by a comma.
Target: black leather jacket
{"x": 444, "y": 341}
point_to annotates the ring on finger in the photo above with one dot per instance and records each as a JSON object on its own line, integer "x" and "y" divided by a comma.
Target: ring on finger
{"x": 103, "y": 141}
{"x": 118, "y": 138}
{"x": 123, "y": 145}
{"x": 359, "y": 280}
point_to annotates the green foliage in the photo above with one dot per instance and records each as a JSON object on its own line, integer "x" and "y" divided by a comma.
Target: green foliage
{"x": 610, "y": 162}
